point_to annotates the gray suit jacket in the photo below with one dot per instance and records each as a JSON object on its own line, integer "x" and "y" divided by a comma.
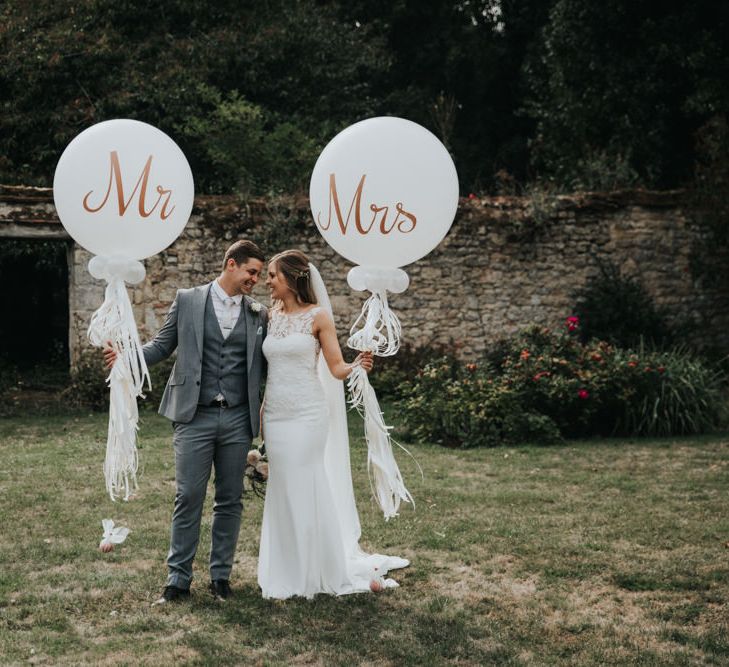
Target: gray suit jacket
{"x": 183, "y": 330}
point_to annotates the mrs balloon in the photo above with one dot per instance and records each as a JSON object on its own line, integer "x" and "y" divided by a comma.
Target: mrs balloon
{"x": 384, "y": 193}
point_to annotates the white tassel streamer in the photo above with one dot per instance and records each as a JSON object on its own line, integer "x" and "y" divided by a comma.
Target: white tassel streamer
{"x": 386, "y": 481}
{"x": 114, "y": 322}
{"x": 380, "y": 327}
{"x": 379, "y": 332}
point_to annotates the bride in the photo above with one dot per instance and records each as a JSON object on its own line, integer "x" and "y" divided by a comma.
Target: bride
{"x": 310, "y": 532}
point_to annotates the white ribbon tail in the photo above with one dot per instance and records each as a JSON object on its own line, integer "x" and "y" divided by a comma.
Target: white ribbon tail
{"x": 114, "y": 322}
{"x": 380, "y": 328}
{"x": 386, "y": 481}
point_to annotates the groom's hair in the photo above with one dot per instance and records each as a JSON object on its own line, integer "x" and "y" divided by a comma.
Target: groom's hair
{"x": 241, "y": 251}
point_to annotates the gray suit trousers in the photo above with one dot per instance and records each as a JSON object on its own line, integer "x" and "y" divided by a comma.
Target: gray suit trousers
{"x": 216, "y": 438}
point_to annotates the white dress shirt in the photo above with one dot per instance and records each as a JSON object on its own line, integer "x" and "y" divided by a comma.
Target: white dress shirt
{"x": 227, "y": 308}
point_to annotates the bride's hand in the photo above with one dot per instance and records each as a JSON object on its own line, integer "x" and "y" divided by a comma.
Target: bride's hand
{"x": 365, "y": 360}
{"x": 109, "y": 355}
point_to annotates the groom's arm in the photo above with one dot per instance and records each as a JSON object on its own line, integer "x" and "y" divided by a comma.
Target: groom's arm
{"x": 165, "y": 342}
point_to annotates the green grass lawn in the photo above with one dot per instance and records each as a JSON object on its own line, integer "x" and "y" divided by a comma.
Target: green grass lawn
{"x": 609, "y": 552}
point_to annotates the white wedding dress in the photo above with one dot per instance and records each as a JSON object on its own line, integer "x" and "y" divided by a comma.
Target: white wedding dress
{"x": 310, "y": 532}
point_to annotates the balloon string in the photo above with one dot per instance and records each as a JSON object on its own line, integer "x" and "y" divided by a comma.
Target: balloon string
{"x": 380, "y": 328}
{"x": 114, "y": 322}
{"x": 386, "y": 482}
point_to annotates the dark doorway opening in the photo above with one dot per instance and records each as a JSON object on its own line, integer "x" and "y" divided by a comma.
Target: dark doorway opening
{"x": 34, "y": 310}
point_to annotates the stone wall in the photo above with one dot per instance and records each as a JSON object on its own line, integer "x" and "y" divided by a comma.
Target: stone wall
{"x": 506, "y": 262}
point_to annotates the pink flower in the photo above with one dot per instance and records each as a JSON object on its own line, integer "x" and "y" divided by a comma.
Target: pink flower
{"x": 470, "y": 367}
{"x": 583, "y": 394}
{"x": 472, "y": 196}
{"x": 572, "y": 322}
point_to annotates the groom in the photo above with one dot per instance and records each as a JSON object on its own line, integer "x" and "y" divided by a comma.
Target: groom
{"x": 213, "y": 400}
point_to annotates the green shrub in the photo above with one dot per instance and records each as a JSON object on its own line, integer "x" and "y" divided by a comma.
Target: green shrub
{"x": 601, "y": 170}
{"x": 391, "y": 372}
{"x": 708, "y": 203}
{"x": 545, "y": 372}
{"x": 540, "y": 386}
{"x": 617, "y": 309}
{"x": 467, "y": 406}
{"x": 675, "y": 394}
{"x": 600, "y": 389}
{"x": 9, "y": 375}
{"x": 87, "y": 388}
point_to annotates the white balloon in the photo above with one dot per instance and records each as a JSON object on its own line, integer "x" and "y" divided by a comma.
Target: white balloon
{"x": 98, "y": 267}
{"x": 107, "y": 267}
{"x": 384, "y": 192}
{"x": 356, "y": 279}
{"x": 134, "y": 273}
{"x": 123, "y": 187}
{"x": 399, "y": 283}
{"x": 378, "y": 279}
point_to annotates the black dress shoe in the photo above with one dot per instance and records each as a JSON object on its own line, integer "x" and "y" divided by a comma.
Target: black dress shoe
{"x": 173, "y": 594}
{"x": 220, "y": 588}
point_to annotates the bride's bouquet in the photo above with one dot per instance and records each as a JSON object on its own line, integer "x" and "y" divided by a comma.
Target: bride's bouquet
{"x": 256, "y": 471}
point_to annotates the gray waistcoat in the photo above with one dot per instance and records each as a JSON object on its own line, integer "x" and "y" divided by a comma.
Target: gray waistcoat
{"x": 224, "y": 360}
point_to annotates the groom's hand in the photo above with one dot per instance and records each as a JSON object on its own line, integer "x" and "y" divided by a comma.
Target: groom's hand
{"x": 109, "y": 354}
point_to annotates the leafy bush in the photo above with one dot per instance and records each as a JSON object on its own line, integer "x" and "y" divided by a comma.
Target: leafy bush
{"x": 619, "y": 310}
{"x": 467, "y": 406}
{"x": 600, "y": 170}
{"x": 601, "y": 389}
{"x": 88, "y": 388}
{"x": 540, "y": 386}
{"x": 708, "y": 204}
{"x": 687, "y": 399}
{"x": 9, "y": 375}
{"x": 392, "y": 372}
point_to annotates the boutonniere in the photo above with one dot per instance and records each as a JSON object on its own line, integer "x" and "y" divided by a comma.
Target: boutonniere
{"x": 255, "y": 307}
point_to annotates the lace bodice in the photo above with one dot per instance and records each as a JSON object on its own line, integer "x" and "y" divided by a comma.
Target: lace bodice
{"x": 293, "y": 388}
{"x": 281, "y": 325}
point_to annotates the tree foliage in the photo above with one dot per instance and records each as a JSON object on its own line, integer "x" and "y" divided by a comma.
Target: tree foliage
{"x": 618, "y": 89}
{"x": 581, "y": 93}
{"x": 248, "y": 90}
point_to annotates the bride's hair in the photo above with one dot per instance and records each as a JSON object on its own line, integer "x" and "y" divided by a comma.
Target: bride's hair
{"x": 293, "y": 265}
